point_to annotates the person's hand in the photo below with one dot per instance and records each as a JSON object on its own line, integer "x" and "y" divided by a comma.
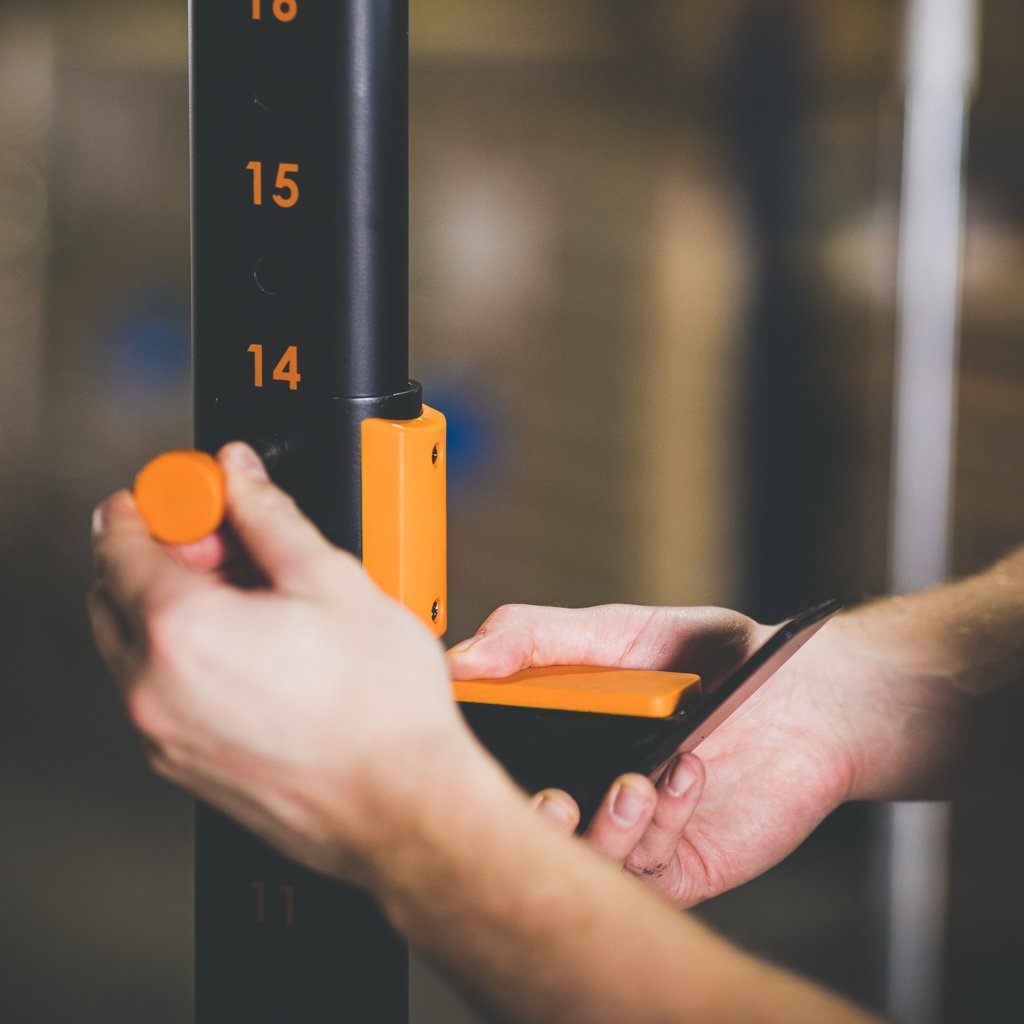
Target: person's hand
{"x": 300, "y": 703}
{"x": 773, "y": 771}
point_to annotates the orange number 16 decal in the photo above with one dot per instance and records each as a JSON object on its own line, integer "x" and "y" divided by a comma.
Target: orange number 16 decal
{"x": 284, "y": 10}
{"x": 287, "y": 188}
{"x": 286, "y": 371}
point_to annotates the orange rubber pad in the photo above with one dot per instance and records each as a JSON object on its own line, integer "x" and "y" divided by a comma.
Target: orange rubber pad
{"x": 181, "y": 495}
{"x": 606, "y": 691}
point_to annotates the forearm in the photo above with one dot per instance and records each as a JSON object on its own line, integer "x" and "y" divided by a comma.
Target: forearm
{"x": 920, "y": 674}
{"x": 536, "y": 927}
{"x": 969, "y": 632}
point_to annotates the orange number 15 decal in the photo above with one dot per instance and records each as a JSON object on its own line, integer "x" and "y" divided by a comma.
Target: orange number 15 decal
{"x": 287, "y": 188}
{"x": 286, "y": 371}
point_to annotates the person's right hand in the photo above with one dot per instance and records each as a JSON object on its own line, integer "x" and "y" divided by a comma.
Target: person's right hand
{"x": 774, "y": 769}
{"x": 302, "y": 701}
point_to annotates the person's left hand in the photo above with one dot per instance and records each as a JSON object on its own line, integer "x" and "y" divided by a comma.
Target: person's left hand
{"x": 774, "y": 769}
{"x": 307, "y": 706}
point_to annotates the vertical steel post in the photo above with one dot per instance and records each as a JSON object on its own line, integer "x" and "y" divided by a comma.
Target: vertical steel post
{"x": 300, "y": 332}
{"x": 941, "y": 53}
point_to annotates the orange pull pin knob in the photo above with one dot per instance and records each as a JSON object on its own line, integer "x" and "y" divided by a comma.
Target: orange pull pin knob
{"x": 181, "y": 496}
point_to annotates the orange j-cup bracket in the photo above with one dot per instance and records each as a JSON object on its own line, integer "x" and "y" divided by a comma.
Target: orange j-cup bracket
{"x": 182, "y": 496}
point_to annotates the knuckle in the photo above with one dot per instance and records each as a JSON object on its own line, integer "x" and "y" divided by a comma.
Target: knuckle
{"x": 146, "y": 715}
{"x": 268, "y": 500}
{"x": 178, "y": 625}
{"x": 160, "y": 764}
{"x": 337, "y": 566}
{"x": 308, "y": 631}
{"x": 505, "y": 616}
{"x": 159, "y": 630}
{"x": 641, "y": 865}
{"x": 343, "y": 561}
{"x": 317, "y": 569}
{"x": 634, "y": 863}
{"x": 283, "y": 503}
{"x": 166, "y": 628}
{"x": 707, "y": 874}
{"x": 262, "y": 500}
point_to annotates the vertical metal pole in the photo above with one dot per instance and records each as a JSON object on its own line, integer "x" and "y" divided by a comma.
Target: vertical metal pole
{"x": 941, "y": 48}
{"x": 300, "y": 332}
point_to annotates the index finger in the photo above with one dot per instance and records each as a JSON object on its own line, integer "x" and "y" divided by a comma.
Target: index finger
{"x": 708, "y": 641}
{"x": 137, "y": 571}
{"x": 516, "y": 637}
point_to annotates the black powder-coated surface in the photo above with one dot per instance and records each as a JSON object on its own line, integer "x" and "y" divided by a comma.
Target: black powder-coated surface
{"x": 326, "y": 91}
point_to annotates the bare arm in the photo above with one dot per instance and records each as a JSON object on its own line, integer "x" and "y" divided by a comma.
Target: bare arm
{"x": 937, "y": 666}
{"x": 548, "y": 931}
{"x": 906, "y": 698}
{"x": 366, "y": 772}
{"x": 969, "y": 633}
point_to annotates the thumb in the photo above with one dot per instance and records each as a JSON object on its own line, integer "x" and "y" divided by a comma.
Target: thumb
{"x": 277, "y": 538}
{"x": 517, "y": 637}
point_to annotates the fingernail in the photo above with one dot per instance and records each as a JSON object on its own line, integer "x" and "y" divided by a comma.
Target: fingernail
{"x": 681, "y": 777}
{"x": 552, "y": 809}
{"x": 627, "y": 804}
{"x": 99, "y": 520}
{"x": 243, "y": 459}
{"x": 465, "y": 645}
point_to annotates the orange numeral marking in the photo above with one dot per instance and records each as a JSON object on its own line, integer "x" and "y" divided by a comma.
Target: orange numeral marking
{"x": 261, "y": 901}
{"x": 289, "y": 905}
{"x": 284, "y": 10}
{"x": 256, "y": 351}
{"x": 287, "y": 185}
{"x": 257, "y": 181}
{"x": 287, "y": 370}
{"x": 287, "y": 899}
{"x": 287, "y": 194}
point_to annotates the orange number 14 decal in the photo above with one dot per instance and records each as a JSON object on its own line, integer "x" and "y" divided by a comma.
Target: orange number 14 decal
{"x": 286, "y": 371}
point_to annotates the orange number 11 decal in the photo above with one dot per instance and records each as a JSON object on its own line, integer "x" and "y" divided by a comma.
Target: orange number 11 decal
{"x": 284, "y": 10}
{"x": 286, "y": 371}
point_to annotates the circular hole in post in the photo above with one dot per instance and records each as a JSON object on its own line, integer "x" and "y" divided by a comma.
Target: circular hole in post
{"x": 435, "y": 611}
{"x": 435, "y": 455}
{"x": 271, "y": 276}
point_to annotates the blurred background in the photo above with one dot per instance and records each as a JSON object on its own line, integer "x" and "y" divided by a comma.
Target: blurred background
{"x": 653, "y": 286}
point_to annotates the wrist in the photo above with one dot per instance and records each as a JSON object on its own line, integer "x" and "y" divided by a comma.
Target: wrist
{"x": 895, "y": 706}
{"x": 430, "y": 797}
{"x": 440, "y": 844}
